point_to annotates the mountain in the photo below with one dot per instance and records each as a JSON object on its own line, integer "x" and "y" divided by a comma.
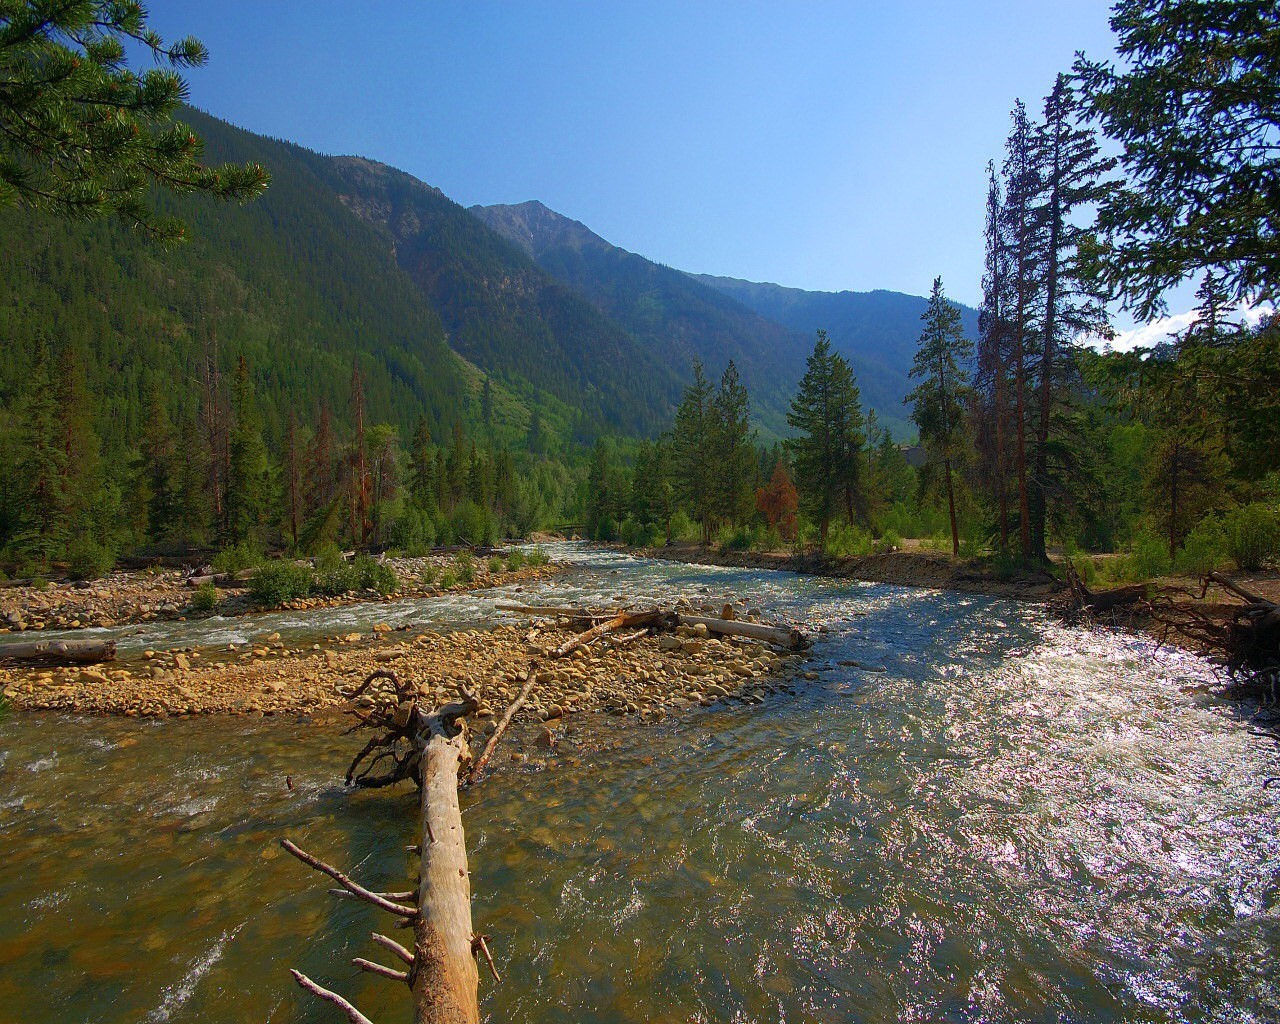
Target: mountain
{"x": 342, "y": 260}
{"x": 876, "y": 331}
{"x": 674, "y": 316}
{"x": 293, "y": 282}
{"x": 507, "y": 314}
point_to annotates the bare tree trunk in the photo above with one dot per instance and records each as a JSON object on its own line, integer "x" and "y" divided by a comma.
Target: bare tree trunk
{"x": 445, "y": 980}
{"x": 951, "y": 508}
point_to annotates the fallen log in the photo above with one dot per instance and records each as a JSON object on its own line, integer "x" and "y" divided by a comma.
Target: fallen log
{"x": 441, "y": 974}
{"x": 79, "y": 652}
{"x": 779, "y": 636}
{"x": 623, "y": 620}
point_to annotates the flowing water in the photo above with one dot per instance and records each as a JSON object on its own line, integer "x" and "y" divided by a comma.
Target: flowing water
{"x": 972, "y": 814}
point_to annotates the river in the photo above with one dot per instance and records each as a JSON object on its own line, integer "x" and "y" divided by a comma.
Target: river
{"x": 971, "y": 814}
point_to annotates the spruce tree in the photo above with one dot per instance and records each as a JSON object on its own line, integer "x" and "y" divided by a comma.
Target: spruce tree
{"x": 733, "y": 480}
{"x": 249, "y": 497}
{"x": 828, "y": 419}
{"x": 82, "y": 135}
{"x": 938, "y": 401}
{"x": 692, "y": 454}
{"x": 1194, "y": 100}
{"x": 1072, "y": 177}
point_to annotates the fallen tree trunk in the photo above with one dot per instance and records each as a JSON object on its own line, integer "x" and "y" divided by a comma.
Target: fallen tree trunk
{"x": 779, "y": 636}
{"x": 445, "y": 980}
{"x": 623, "y": 620}
{"x": 442, "y": 973}
{"x": 80, "y": 652}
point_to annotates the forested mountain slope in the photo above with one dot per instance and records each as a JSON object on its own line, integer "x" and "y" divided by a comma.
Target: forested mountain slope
{"x": 507, "y": 314}
{"x": 676, "y": 317}
{"x": 877, "y": 331}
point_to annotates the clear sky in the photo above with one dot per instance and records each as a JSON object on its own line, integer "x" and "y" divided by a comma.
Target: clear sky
{"x": 820, "y": 145}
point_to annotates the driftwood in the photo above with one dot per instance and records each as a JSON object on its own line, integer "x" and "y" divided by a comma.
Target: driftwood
{"x": 1086, "y": 600}
{"x": 654, "y": 618}
{"x": 622, "y": 620}
{"x": 501, "y": 727}
{"x": 779, "y": 636}
{"x": 429, "y": 746}
{"x": 81, "y": 652}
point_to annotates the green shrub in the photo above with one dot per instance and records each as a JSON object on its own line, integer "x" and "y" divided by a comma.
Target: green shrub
{"x": 472, "y": 524}
{"x": 495, "y": 565}
{"x": 278, "y": 582}
{"x": 40, "y": 583}
{"x": 448, "y": 580}
{"x": 374, "y": 575}
{"x": 465, "y": 568}
{"x": 684, "y": 528}
{"x": 89, "y": 559}
{"x": 844, "y": 540}
{"x": 515, "y": 560}
{"x": 1150, "y": 556}
{"x": 888, "y": 541}
{"x": 245, "y": 555}
{"x": 1253, "y": 535}
{"x": 205, "y": 599}
{"x": 537, "y": 557}
{"x": 1205, "y": 547}
{"x": 333, "y": 574}
{"x": 1085, "y": 569}
{"x": 413, "y": 531}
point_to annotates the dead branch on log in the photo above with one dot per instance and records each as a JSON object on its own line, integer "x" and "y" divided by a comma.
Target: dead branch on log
{"x": 353, "y": 1015}
{"x": 622, "y": 620}
{"x": 358, "y": 891}
{"x": 76, "y": 652}
{"x": 483, "y": 760}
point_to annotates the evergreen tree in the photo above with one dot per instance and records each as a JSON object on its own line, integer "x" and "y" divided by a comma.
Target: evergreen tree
{"x": 292, "y": 479}
{"x": 1023, "y": 233}
{"x": 692, "y": 455}
{"x": 1071, "y": 173}
{"x": 938, "y": 401}
{"x": 249, "y": 497}
{"x": 422, "y": 469}
{"x": 826, "y": 414}
{"x": 81, "y": 135}
{"x": 1195, "y": 104}
{"x": 993, "y": 413}
{"x": 733, "y": 466}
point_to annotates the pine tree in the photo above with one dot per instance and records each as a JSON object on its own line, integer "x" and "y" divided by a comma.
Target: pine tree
{"x": 249, "y": 496}
{"x": 993, "y": 412}
{"x": 1023, "y": 233}
{"x": 422, "y": 469}
{"x": 828, "y": 419}
{"x": 692, "y": 455}
{"x": 292, "y": 478}
{"x": 938, "y": 401}
{"x": 81, "y": 135}
{"x": 733, "y": 480}
{"x": 359, "y": 500}
{"x": 1195, "y": 106}
{"x": 1071, "y": 173}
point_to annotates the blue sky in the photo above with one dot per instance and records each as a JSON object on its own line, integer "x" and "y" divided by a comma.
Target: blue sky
{"x": 819, "y": 145}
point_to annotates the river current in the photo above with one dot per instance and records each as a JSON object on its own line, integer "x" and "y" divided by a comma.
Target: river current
{"x": 971, "y": 814}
